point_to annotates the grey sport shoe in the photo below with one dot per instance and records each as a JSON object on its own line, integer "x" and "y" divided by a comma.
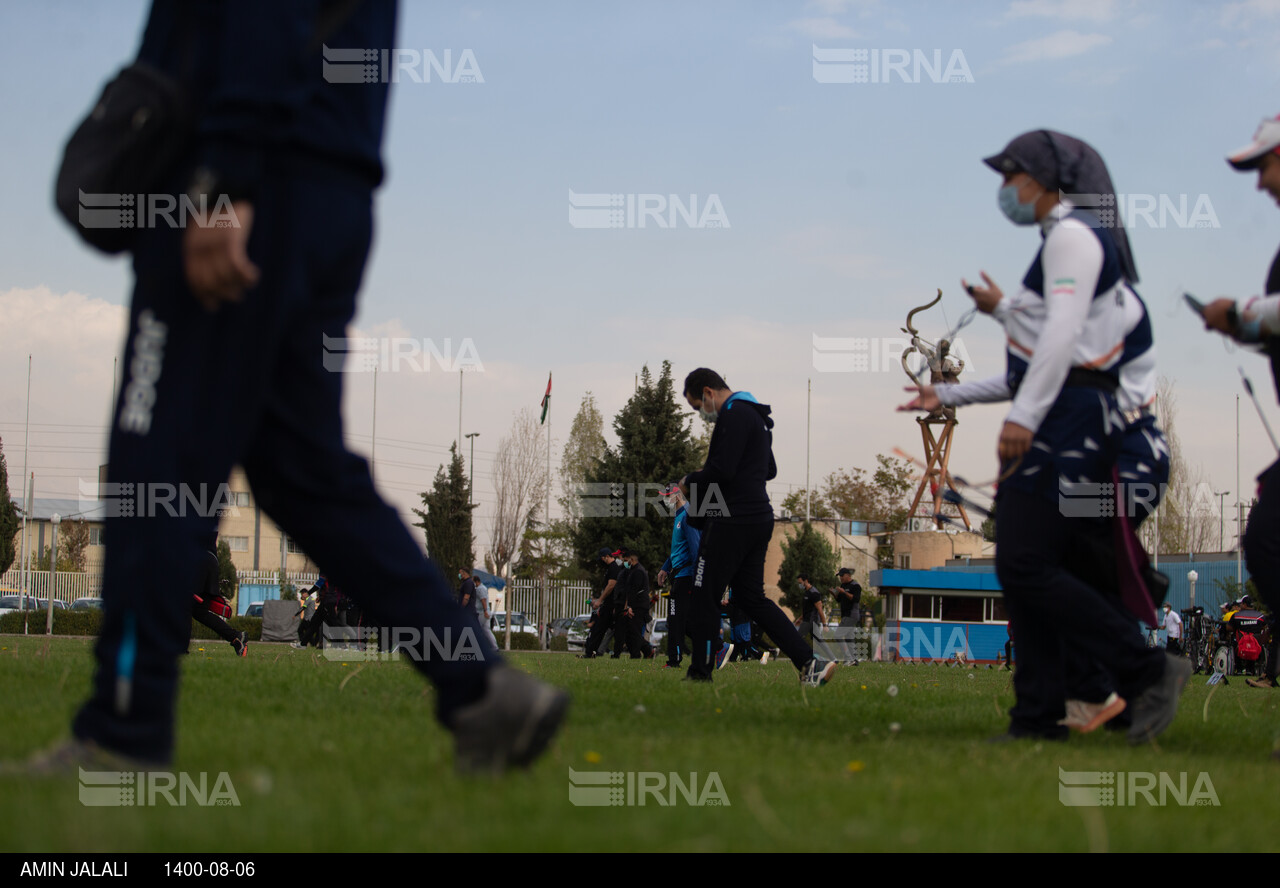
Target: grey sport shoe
{"x": 71, "y": 756}
{"x": 510, "y": 725}
{"x": 1155, "y": 707}
{"x": 817, "y": 672}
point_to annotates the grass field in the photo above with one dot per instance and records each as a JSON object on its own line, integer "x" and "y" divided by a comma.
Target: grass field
{"x": 330, "y": 756}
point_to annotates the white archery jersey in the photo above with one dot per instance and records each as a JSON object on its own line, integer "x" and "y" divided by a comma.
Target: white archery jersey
{"x": 1074, "y": 318}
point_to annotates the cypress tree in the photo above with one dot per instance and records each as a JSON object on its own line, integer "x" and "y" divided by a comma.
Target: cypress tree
{"x": 447, "y": 518}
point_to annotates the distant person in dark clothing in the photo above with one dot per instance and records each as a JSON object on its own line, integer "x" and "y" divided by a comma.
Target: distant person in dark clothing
{"x": 602, "y": 617}
{"x": 206, "y": 600}
{"x": 849, "y": 597}
{"x": 811, "y": 615}
{"x": 635, "y": 614}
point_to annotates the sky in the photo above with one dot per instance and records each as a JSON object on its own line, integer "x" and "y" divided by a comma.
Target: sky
{"x": 823, "y": 209}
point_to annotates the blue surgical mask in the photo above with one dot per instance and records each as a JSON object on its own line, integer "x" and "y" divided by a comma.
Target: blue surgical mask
{"x": 1018, "y": 212}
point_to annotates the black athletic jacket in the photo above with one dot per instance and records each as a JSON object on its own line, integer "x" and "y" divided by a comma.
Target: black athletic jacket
{"x": 739, "y": 462}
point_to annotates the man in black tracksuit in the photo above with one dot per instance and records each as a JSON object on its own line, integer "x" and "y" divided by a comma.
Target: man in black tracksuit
{"x": 602, "y": 619}
{"x": 636, "y": 613}
{"x": 243, "y": 318}
{"x": 727, "y": 497}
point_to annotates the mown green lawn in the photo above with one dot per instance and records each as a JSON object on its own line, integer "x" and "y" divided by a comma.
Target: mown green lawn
{"x": 329, "y": 756}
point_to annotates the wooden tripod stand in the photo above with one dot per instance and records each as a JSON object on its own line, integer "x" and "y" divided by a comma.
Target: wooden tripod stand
{"x": 937, "y": 455}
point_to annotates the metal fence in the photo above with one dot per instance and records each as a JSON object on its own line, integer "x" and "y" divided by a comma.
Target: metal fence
{"x": 71, "y": 585}
{"x": 68, "y": 586}
{"x": 566, "y": 599}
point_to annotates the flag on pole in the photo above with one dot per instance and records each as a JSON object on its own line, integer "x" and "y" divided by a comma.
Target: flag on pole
{"x": 546, "y": 402}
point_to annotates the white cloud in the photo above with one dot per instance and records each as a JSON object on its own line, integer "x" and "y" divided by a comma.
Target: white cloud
{"x": 822, "y": 28}
{"x": 72, "y": 339}
{"x": 1064, "y": 10}
{"x": 1059, "y": 45}
{"x": 839, "y": 7}
{"x": 1247, "y": 13}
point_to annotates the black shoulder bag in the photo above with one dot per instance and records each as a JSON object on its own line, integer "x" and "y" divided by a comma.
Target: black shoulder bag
{"x": 139, "y": 129}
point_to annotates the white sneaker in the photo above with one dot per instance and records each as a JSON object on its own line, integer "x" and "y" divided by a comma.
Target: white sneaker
{"x": 817, "y": 672}
{"x": 764, "y": 658}
{"x": 1085, "y": 717}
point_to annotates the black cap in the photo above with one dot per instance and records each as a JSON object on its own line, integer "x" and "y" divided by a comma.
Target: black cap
{"x": 604, "y": 553}
{"x": 843, "y": 571}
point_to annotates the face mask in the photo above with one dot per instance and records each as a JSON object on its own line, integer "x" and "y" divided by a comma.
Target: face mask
{"x": 708, "y": 415}
{"x": 1017, "y": 212}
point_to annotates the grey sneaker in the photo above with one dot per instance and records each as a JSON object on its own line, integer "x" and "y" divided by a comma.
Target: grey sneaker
{"x": 69, "y": 757}
{"x": 510, "y": 725}
{"x": 817, "y": 672}
{"x": 1155, "y": 707}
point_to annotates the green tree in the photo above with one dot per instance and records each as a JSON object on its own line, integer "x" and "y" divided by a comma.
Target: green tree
{"x": 582, "y": 452}
{"x": 446, "y": 520}
{"x": 65, "y": 564}
{"x": 288, "y": 591}
{"x": 885, "y": 496}
{"x": 547, "y": 551}
{"x": 9, "y": 522}
{"x": 795, "y": 503}
{"x": 988, "y": 528}
{"x": 655, "y": 446}
{"x": 228, "y": 581}
{"x": 73, "y": 537}
{"x": 808, "y": 552}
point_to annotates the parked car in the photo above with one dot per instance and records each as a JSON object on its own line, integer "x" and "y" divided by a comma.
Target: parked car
{"x": 658, "y": 632}
{"x": 9, "y": 603}
{"x": 561, "y": 626}
{"x": 498, "y": 623}
{"x": 255, "y": 609}
{"x": 576, "y": 637}
{"x": 81, "y": 604}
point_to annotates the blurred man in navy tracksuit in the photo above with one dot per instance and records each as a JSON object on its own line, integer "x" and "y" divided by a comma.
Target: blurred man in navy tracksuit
{"x": 242, "y": 317}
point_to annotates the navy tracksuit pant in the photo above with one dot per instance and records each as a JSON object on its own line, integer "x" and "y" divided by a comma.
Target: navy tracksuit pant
{"x": 249, "y": 385}
{"x": 1051, "y": 610}
{"x": 732, "y": 555}
{"x": 677, "y": 618}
